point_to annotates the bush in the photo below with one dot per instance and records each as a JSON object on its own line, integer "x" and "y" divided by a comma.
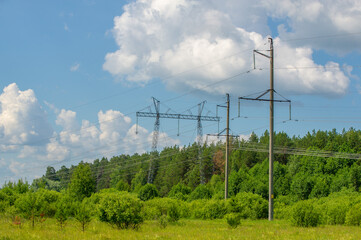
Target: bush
{"x": 173, "y": 213}
{"x": 233, "y": 219}
{"x": 353, "y": 216}
{"x": 122, "y": 186}
{"x": 214, "y": 209}
{"x": 196, "y": 208}
{"x": 179, "y": 191}
{"x": 305, "y": 214}
{"x": 163, "y": 221}
{"x": 283, "y": 206}
{"x": 249, "y": 205}
{"x": 208, "y": 209}
{"x": 147, "y": 192}
{"x": 173, "y": 209}
{"x": 200, "y": 192}
{"x": 122, "y": 210}
{"x": 336, "y": 212}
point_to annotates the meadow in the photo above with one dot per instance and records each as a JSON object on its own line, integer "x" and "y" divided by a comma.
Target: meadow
{"x": 184, "y": 229}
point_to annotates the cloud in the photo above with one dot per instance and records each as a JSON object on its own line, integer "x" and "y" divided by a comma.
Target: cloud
{"x": 26, "y": 133}
{"x": 160, "y": 38}
{"x": 28, "y": 151}
{"x": 66, "y": 28}
{"x": 137, "y": 142}
{"x": 244, "y": 137}
{"x": 3, "y": 163}
{"x": 16, "y": 167}
{"x": 112, "y": 135}
{"x": 312, "y": 18}
{"x": 22, "y": 119}
{"x": 56, "y": 151}
{"x": 67, "y": 119}
{"x": 75, "y": 67}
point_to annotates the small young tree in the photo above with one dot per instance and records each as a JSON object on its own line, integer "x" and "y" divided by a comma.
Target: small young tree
{"x": 63, "y": 210}
{"x": 82, "y": 183}
{"x": 29, "y": 206}
{"x": 83, "y": 213}
{"x": 233, "y": 219}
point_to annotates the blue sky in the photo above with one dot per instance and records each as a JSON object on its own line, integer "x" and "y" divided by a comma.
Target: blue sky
{"x": 73, "y": 73}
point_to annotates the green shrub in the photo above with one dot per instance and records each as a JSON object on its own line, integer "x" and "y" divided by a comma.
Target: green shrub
{"x": 179, "y": 191}
{"x": 122, "y": 210}
{"x": 200, "y": 192}
{"x": 283, "y": 206}
{"x": 353, "y": 216}
{"x": 249, "y": 205}
{"x": 214, "y": 209}
{"x": 147, "y": 192}
{"x": 196, "y": 208}
{"x": 173, "y": 213}
{"x": 305, "y": 214}
{"x": 233, "y": 219}
{"x": 163, "y": 221}
{"x": 208, "y": 209}
{"x": 122, "y": 186}
{"x": 336, "y": 212}
{"x": 172, "y": 208}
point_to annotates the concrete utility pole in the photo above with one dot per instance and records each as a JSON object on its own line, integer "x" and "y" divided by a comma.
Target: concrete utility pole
{"x": 227, "y": 152}
{"x": 226, "y": 167}
{"x": 271, "y": 100}
{"x": 271, "y": 123}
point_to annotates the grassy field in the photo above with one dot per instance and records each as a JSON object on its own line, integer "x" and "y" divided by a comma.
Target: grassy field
{"x": 185, "y": 229}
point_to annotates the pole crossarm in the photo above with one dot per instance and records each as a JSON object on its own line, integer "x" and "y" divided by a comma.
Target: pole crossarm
{"x": 264, "y": 100}
{"x": 259, "y": 98}
{"x": 178, "y": 116}
{"x": 260, "y": 53}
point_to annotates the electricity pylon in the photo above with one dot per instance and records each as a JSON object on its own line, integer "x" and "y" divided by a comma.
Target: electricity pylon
{"x": 157, "y": 115}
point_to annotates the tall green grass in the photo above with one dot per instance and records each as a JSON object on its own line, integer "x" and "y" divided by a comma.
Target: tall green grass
{"x": 184, "y": 229}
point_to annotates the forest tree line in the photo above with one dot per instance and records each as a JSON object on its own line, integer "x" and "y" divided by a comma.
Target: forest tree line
{"x": 302, "y": 183}
{"x": 302, "y": 177}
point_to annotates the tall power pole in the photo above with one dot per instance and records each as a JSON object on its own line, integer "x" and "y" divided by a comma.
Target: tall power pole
{"x": 226, "y": 165}
{"x": 271, "y": 99}
{"x": 227, "y": 152}
{"x": 271, "y": 123}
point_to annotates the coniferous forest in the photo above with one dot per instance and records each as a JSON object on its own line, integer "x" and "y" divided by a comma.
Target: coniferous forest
{"x": 317, "y": 180}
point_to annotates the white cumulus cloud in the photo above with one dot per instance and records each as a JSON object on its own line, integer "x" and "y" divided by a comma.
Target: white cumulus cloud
{"x": 200, "y": 43}
{"x": 312, "y": 18}
{"x": 22, "y": 119}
